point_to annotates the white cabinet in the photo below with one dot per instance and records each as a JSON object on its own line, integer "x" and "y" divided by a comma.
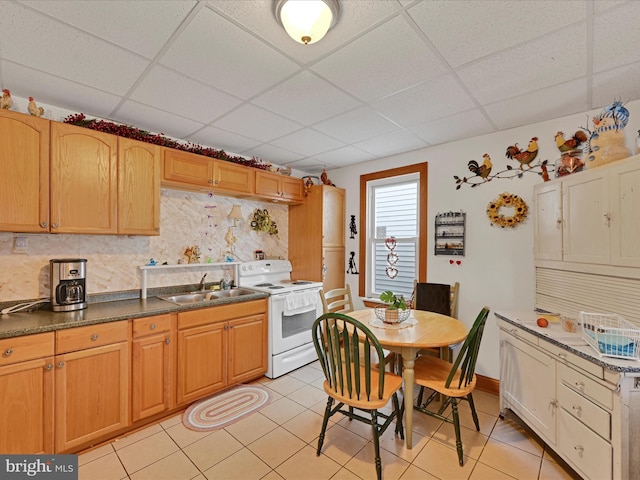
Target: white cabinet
{"x": 585, "y": 408}
{"x": 590, "y": 217}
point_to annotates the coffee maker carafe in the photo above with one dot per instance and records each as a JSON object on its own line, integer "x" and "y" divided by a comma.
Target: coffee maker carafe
{"x": 68, "y": 290}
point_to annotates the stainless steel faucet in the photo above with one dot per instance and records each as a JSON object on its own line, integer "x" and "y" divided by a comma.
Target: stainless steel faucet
{"x": 201, "y": 286}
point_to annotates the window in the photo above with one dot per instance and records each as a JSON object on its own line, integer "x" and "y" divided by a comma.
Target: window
{"x": 393, "y": 203}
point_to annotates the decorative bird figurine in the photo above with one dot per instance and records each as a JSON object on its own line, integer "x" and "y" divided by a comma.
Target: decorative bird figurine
{"x": 5, "y": 101}
{"x": 525, "y": 157}
{"x": 325, "y": 178}
{"x": 35, "y": 110}
{"x": 572, "y": 143}
{"x": 483, "y": 170}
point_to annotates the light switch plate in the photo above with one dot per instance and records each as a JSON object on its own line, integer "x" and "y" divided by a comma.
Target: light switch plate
{"x": 20, "y": 244}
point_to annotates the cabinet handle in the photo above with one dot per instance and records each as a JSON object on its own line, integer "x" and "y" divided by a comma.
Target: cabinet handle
{"x": 152, "y": 326}
{"x": 607, "y": 219}
{"x": 44, "y": 224}
{"x": 8, "y": 352}
{"x": 48, "y": 366}
{"x": 563, "y": 356}
{"x": 167, "y": 341}
{"x": 559, "y": 222}
{"x": 579, "y": 449}
{"x": 216, "y": 182}
{"x": 577, "y": 409}
{"x": 54, "y": 225}
{"x": 94, "y": 337}
{"x": 60, "y": 364}
{"x": 580, "y": 385}
{"x": 210, "y": 182}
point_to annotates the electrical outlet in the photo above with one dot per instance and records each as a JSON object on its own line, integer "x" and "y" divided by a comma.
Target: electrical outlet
{"x": 20, "y": 245}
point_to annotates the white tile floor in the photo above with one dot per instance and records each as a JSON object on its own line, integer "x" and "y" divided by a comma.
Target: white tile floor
{"x": 279, "y": 442}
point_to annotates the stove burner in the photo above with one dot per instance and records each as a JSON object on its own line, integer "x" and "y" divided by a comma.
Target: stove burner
{"x": 301, "y": 282}
{"x": 263, "y": 285}
{"x": 274, "y": 287}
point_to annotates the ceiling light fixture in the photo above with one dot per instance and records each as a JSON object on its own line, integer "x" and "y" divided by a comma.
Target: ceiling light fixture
{"x": 306, "y": 21}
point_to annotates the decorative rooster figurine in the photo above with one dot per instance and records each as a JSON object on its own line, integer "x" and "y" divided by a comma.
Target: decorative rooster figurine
{"x": 5, "y": 101}
{"x": 572, "y": 143}
{"x": 34, "y": 109}
{"x": 483, "y": 170}
{"x": 524, "y": 157}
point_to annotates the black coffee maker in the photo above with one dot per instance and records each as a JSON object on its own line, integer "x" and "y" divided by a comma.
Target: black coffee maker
{"x": 68, "y": 289}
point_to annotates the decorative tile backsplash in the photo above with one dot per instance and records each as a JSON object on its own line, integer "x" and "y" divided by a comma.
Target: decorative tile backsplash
{"x": 187, "y": 219}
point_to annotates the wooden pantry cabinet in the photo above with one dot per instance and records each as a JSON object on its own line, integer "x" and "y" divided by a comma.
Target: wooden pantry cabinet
{"x": 317, "y": 236}
{"x": 279, "y": 188}
{"x": 219, "y": 347}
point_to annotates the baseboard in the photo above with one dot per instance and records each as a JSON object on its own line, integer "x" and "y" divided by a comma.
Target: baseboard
{"x": 487, "y": 384}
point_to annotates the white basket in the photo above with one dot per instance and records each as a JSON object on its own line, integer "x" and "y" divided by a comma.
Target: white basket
{"x": 611, "y": 335}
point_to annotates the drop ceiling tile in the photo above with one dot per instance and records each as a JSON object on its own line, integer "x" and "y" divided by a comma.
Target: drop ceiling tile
{"x": 306, "y": 98}
{"x": 221, "y": 54}
{"x": 156, "y": 121}
{"x": 486, "y": 27}
{"x": 274, "y": 154}
{"x": 356, "y": 16}
{"x": 455, "y": 127}
{"x": 619, "y": 83}
{"x": 342, "y": 157}
{"x": 40, "y": 42}
{"x": 616, "y": 35}
{"x": 311, "y": 167}
{"x": 438, "y": 98}
{"x": 552, "y": 102}
{"x": 392, "y": 144}
{"x": 222, "y": 140}
{"x": 372, "y": 66}
{"x": 121, "y": 24}
{"x": 26, "y": 82}
{"x": 183, "y": 96}
{"x": 307, "y": 142}
{"x": 555, "y": 58}
{"x": 356, "y": 125}
{"x": 255, "y": 122}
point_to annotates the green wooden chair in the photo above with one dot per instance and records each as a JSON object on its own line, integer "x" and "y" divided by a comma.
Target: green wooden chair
{"x": 456, "y": 381}
{"x": 345, "y": 347}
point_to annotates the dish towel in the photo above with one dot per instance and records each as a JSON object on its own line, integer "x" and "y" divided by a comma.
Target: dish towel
{"x": 300, "y": 302}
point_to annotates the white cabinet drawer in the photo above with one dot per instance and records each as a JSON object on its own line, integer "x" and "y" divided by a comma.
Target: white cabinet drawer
{"x": 589, "y": 453}
{"x": 596, "y": 418}
{"x": 568, "y": 357}
{"x": 518, "y": 332}
{"x": 585, "y": 386}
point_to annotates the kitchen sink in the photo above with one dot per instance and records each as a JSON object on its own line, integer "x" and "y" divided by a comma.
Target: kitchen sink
{"x": 205, "y": 295}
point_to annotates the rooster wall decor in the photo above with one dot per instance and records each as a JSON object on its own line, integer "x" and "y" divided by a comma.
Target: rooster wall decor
{"x": 483, "y": 171}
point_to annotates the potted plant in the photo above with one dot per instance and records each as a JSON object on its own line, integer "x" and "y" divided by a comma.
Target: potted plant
{"x": 395, "y": 303}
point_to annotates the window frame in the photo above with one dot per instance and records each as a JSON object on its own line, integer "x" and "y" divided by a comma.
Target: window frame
{"x": 422, "y": 170}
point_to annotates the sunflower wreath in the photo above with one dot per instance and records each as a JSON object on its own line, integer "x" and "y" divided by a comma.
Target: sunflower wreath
{"x": 507, "y": 200}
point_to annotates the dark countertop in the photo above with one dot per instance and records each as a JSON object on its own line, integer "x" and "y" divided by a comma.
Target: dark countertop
{"x": 106, "y": 310}
{"x": 526, "y": 321}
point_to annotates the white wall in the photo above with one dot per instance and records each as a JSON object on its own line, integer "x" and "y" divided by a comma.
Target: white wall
{"x": 497, "y": 269}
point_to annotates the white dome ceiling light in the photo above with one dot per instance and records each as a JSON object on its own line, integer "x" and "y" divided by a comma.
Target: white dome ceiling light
{"x": 306, "y": 21}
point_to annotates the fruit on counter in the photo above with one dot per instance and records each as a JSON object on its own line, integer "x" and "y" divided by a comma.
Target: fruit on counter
{"x": 543, "y": 322}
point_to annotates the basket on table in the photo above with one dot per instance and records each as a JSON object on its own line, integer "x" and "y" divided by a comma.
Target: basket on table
{"x": 611, "y": 335}
{"x": 392, "y": 315}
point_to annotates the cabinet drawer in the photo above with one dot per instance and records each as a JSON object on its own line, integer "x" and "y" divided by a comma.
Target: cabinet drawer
{"x": 589, "y": 453}
{"x": 585, "y": 386}
{"x": 587, "y": 412}
{"x": 579, "y": 362}
{"x": 518, "y": 332}
{"x": 150, "y": 325}
{"x": 28, "y": 347}
{"x": 91, "y": 336}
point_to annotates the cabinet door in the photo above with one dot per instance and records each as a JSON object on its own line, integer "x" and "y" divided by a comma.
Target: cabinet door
{"x": 548, "y": 221}
{"x": 333, "y": 268}
{"x": 92, "y": 394}
{"x": 187, "y": 170}
{"x": 24, "y": 163}
{"x": 138, "y": 188}
{"x": 292, "y": 189}
{"x": 586, "y": 217}
{"x": 151, "y": 375}
{"x": 84, "y": 180}
{"x": 625, "y": 221}
{"x": 202, "y": 361}
{"x": 26, "y": 407}
{"x": 248, "y": 342}
{"x": 333, "y": 213}
{"x": 233, "y": 178}
{"x": 268, "y": 184}
{"x": 528, "y": 385}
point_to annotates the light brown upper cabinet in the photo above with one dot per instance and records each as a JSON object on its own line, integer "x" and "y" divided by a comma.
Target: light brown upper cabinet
{"x": 24, "y": 182}
{"x": 189, "y": 171}
{"x": 278, "y": 187}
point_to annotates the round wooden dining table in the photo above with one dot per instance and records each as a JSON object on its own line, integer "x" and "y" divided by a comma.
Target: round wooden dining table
{"x": 429, "y": 330}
